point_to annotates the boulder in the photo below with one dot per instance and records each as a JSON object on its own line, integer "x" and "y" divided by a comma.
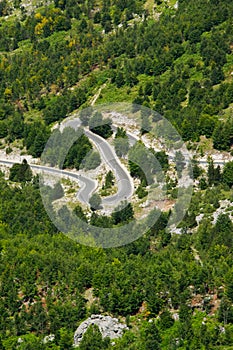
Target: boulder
{"x": 108, "y": 326}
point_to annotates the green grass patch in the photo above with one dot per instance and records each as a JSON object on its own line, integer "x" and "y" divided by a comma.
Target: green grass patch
{"x": 112, "y": 94}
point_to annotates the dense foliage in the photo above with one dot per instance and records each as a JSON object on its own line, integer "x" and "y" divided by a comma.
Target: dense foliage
{"x": 173, "y": 291}
{"x": 44, "y": 276}
{"x": 179, "y": 65}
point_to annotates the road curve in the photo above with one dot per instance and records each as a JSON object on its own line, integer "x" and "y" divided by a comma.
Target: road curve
{"x": 124, "y": 182}
{"x": 125, "y": 186}
{"x": 87, "y": 185}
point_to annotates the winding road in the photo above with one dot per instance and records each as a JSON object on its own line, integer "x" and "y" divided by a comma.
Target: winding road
{"x": 125, "y": 184}
{"x": 87, "y": 185}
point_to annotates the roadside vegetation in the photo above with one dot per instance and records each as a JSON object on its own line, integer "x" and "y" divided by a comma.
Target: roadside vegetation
{"x": 173, "y": 288}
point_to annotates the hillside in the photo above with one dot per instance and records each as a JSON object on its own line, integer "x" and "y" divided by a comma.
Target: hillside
{"x": 174, "y": 288}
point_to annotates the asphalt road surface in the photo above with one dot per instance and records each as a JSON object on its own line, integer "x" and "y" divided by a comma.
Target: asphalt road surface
{"x": 125, "y": 185}
{"x": 87, "y": 185}
{"x": 108, "y": 155}
{"x": 124, "y": 182}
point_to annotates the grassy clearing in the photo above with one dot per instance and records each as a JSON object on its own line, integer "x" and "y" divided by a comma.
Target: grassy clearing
{"x": 111, "y": 94}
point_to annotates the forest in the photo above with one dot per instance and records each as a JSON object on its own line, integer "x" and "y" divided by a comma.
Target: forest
{"x": 45, "y": 276}
{"x": 174, "y": 291}
{"x": 180, "y": 65}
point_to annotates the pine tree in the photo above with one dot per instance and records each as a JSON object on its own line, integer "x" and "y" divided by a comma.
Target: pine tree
{"x": 92, "y": 340}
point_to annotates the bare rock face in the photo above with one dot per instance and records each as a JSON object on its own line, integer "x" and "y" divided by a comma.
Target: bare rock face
{"x": 108, "y": 326}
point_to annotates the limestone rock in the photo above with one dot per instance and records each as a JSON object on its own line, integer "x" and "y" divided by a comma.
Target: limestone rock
{"x": 108, "y": 326}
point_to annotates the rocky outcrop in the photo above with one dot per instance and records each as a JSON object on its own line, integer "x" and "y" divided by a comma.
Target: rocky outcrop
{"x": 108, "y": 326}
